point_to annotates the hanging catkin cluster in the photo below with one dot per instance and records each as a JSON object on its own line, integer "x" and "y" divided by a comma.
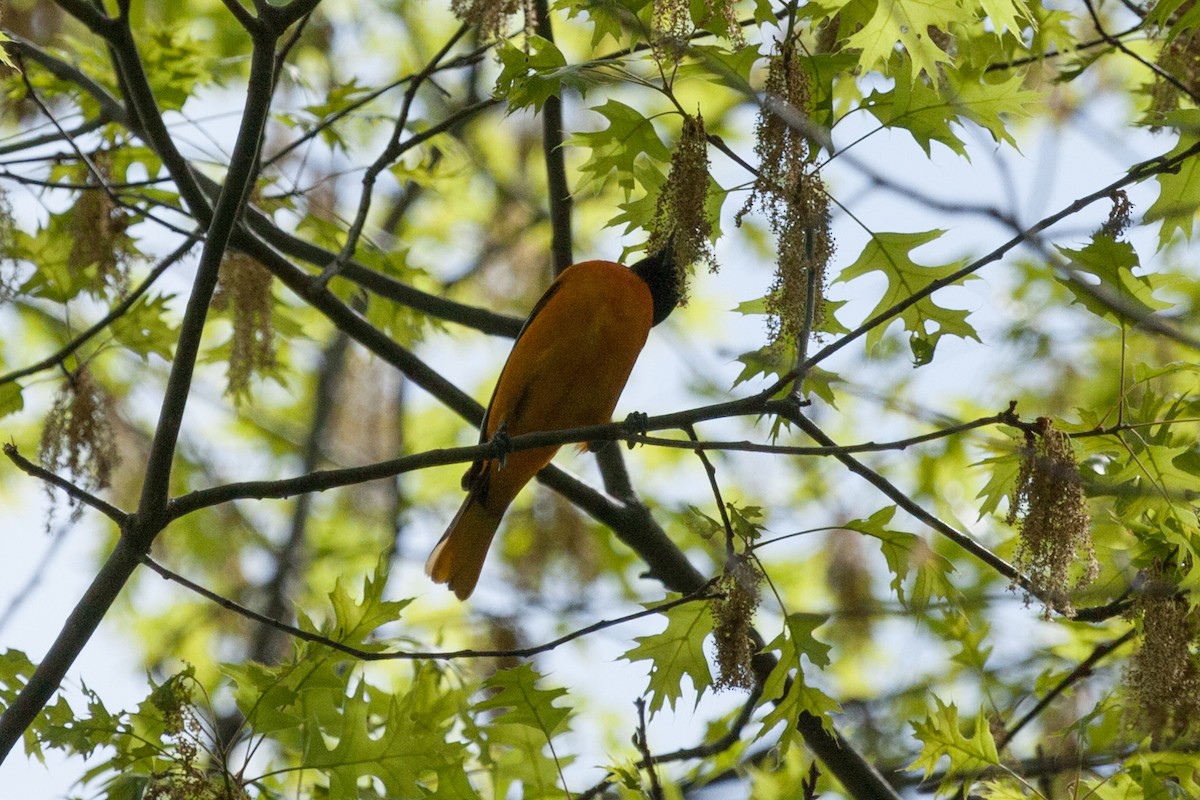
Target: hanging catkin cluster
{"x": 672, "y": 28}
{"x": 733, "y": 614}
{"x": 244, "y": 288}
{"x": 97, "y": 228}
{"x": 1163, "y": 678}
{"x": 1049, "y": 503}
{"x": 491, "y": 16}
{"x": 680, "y": 212}
{"x": 1180, "y": 58}
{"x": 77, "y": 436}
{"x": 790, "y": 192}
{"x": 10, "y": 278}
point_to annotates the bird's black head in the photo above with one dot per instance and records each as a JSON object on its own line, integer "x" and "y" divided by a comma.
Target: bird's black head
{"x": 658, "y": 271}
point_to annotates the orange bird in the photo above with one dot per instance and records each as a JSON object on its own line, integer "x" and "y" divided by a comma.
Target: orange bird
{"x": 567, "y": 368}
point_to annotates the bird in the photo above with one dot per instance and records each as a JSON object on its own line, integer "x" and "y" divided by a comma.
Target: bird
{"x": 568, "y": 366}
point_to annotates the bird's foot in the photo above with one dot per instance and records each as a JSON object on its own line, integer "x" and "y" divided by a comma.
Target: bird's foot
{"x": 501, "y": 444}
{"x": 635, "y": 425}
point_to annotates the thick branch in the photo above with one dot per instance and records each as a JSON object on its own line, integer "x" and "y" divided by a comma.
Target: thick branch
{"x": 558, "y": 190}
{"x": 141, "y": 529}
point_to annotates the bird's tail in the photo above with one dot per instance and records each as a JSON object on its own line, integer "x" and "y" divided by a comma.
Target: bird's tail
{"x": 458, "y": 558}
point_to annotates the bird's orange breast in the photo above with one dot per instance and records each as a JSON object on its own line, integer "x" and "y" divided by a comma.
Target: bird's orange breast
{"x": 568, "y": 366}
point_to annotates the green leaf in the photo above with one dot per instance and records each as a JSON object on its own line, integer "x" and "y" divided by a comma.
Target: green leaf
{"x": 905, "y": 22}
{"x": 1003, "y": 470}
{"x": 929, "y": 112}
{"x": 518, "y": 738}
{"x": 5, "y": 59}
{"x": 746, "y": 521}
{"x": 523, "y": 703}
{"x": 628, "y": 137}
{"x": 731, "y": 69}
{"x": 969, "y": 634}
{"x": 1002, "y": 789}
{"x": 676, "y": 653}
{"x": 925, "y": 320}
{"x": 941, "y": 737}
{"x": 11, "y": 400}
{"x": 766, "y": 362}
{"x": 1177, "y": 17}
{"x": 1112, "y": 263}
{"x": 1179, "y": 190}
{"x": 785, "y": 685}
{"x": 355, "y": 620}
{"x": 281, "y": 698}
{"x": 400, "y": 750}
{"x": 1166, "y": 773}
{"x": 175, "y": 64}
{"x": 905, "y": 553}
{"x": 637, "y": 212}
{"x": 530, "y": 76}
{"x": 919, "y": 109}
{"x": 988, "y": 103}
{"x": 617, "y": 19}
{"x": 147, "y": 328}
{"x": 702, "y": 524}
{"x": 1007, "y": 15}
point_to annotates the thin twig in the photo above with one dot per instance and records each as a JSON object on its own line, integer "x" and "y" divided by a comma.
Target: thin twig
{"x": 115, "y": 313}
{"x": 711, "y": 471}
{"x": 642, "y": 743}
{"x": 77, "y": 493}
{"x": 1148, "y": 64}
{"x": 239, "y": 12}
{"x": 393, "y": 150}
{"x": 1082, "y": 671}
{"x": 34, "y": 142}
{"x": 908, "y": 504}
{"x": 705, "y": 750}
{"x": 323, "y": 480}
{"x": 1138, "y": 173}
{"x": 436, "y": 655}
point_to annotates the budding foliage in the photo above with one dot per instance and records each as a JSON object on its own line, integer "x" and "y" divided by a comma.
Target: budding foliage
{"x": 77, "y": 437}
{"x": 733, "y": 614}
{"x": 244, "y": 288}
{"x": 187, "y": 773}
{"x": 1163, "y": 678}
{"x": 679, "y": 217}
{"x": 789, "y": 191}
{"x": 1049, "y": 505}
